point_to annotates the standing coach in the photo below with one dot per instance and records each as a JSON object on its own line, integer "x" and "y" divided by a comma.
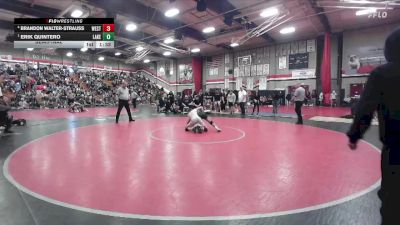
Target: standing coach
{"x": 298, "y": 97}
{"x": 123, "y": 101}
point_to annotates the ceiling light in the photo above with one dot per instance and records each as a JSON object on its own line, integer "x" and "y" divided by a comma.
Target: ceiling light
{"x": 84, "y": 49}
{"x": 146, "y": 60}
{"x": 69, "y": 54}
{"x": 171, "y": 12}
{"x": 208, "y": 29}
{"x": 287, "y": 30}
{"x": 30, "y": 49}
{"x": 131, "y": 27}
{"x": 118, "y": 53}
{"x": 365, "y": 11}
{"x": 195, "y": 50}
{"x": 77, "y": 13}
{"x": 269, "y": 12}
{"x": 169, "y": 40}
{"x": 167, "y": 53}
{"x": 234, "y": 44}
{"x": 101, "y": 58}
{"x": 139, "y": 48}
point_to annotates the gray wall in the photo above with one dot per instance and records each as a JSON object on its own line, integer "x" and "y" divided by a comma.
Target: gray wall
{"x": 59, "y": 57}
{"x": 347, "y": 81}
{"x": 364, "y": 43}
{"x": 285, "y": 83}
{"x": 260, "y": 55}
{"x": 334, "y": 63}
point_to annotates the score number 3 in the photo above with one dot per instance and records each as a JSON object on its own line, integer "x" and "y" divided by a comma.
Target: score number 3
{"x": 108, "y": 27}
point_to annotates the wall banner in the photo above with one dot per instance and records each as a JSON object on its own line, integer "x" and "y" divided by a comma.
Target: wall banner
{"x": 301, "y": 74}
{"x": 263, "y": 83}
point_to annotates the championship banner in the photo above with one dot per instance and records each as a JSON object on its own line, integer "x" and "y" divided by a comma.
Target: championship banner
{"x": 263, "y": 84}
{"x": 185, "y": 73}
{"x": 307, "y": 73}
{"x": 226, "y": 83}
{"x": 250, "y": 84}
{"x": 6, "y": 57}
{"x": 239, "y": 83}
{"x": 282, "y": 63}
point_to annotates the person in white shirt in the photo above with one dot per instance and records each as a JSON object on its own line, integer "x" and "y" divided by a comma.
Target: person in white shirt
{"x": 195, "y": 122}
{"x": 333, "y": 98}
{"x": 242, "y": 99}
{"x": 123, "y": 101}
{"x": 298, "y": 98}
{"x": 321, "y": 98}
{"x": 231, "y": 101}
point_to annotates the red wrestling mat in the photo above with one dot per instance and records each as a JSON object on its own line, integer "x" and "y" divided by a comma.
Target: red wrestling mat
{"x": 43, "y": 114}
{"x": 152, "y": 168}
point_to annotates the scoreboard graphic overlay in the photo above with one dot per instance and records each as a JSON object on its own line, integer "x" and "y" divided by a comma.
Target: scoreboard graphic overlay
{"x": 64, "y": 33}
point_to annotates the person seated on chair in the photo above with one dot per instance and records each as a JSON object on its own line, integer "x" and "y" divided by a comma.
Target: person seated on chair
{"x": 195, "y": 122}
{"x": 185, "y": 104}
{"x": 195, "y": 103}
{"x": 175, "y": 108}
{"x": 162, "y": 105}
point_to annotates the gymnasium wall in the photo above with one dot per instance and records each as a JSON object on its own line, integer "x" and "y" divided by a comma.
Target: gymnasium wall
{"x": 7, "y": 52}
{"x": 166, "y": 73}
{"x": 215, "y": 68}
{"x": 367, "y": 45}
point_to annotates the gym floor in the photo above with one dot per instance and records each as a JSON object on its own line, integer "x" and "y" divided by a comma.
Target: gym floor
{"x": 82, "y": 169}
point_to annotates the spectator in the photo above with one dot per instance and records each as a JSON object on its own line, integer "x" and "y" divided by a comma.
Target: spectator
{"x": 321, "y": 99}
{"x": 195, "y": 103}
{"x": 288, "y": 99}
{"x": 201, "y": 96}
{"x": 256, "y": 102}
{"x": 185, "y": 104}
{"x": 275, "y": 103}
{"x": 242, "y": 99}
{"x": 231, "y": 102}
{"x": 298, "y": 97}
{"x": 217, "y": 101}
{"x": 223, "y": 100}
{"x": 333, "y": 98}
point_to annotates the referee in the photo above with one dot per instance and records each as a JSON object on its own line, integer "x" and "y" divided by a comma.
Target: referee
{"x": 123, "y": 101}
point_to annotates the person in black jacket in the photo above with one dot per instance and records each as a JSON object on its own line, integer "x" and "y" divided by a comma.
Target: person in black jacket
{"x": 275, "y": 103}
{"x": 381, "y": 94}
{"x": 5, "y": 119}
{"x": 256, "y": 102}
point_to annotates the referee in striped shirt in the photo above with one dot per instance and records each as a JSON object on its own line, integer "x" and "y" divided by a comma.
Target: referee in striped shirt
{"x": 123, "y": 101}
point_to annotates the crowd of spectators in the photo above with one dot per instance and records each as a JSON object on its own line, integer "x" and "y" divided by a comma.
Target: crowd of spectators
{"x": 60, "y": 87}
{"x": 219, "y": 101}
